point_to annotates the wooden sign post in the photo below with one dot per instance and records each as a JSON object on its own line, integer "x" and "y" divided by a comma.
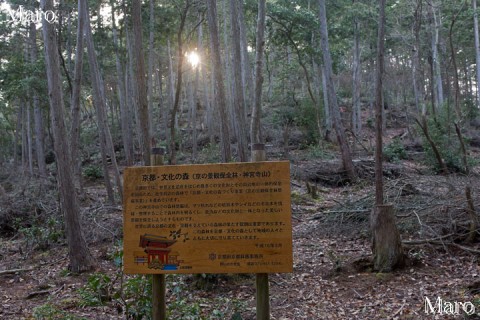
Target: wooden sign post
{"x": 210, "y": 218}
{"x": 159, "y": 305}
{"x": 261, "y": 279}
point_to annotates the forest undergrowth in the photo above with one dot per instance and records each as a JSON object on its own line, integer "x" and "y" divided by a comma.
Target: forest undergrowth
{"x": 332, "y": 276}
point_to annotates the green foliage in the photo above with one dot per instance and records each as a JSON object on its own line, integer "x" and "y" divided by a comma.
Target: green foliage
{"x": 306, "y": 119}
{"x": 442, "y": 132}
{"x": 302, "y": 114}
{"x": 41, "y": 235}
{"x": 137, "y": 297}
{"x": 116, "y": 255}
{"x": 49, "y": 311}
{"x": 97, "y": 291}
{"x": 93, "y": 172}
{"x": 394, "y": 151}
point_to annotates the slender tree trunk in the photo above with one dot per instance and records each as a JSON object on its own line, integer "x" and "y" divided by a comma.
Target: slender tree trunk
{"x": 337, "y": 121}
{"x": 436, "y": 56}
{"x": 29, "y": 140}
{"x": 132, "y": 92}
{"x": 142, "y": 103}
{"x": 150, "y": 74}
{"x": 220, "y": 96}
{"x": 121, "y": 88}
{"x": 326, "y": 105}
{"x": 238, "y": 99}
{"x": 386, "y": 243}
{"x": 170, "y": 88}
{"x": 75, "y": 99}
{"x": 178, "y": 87}
{"x": 106, "y": 141}
{"x": 247, "y": 79}
{"x": 477, "y": 50}
{"x": 37, "y": 111}
{"x": 456, "y": 83}
{"x": 356, "y": 83}
{"x": 80, "y": 257}
{"x": 416, "y": 71}
{"x": 255, "y": 127}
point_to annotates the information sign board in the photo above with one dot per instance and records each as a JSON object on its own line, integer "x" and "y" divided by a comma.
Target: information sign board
{"x": 213, "y": 218}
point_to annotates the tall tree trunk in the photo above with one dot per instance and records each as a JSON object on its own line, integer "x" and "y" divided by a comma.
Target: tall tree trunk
{"x": 332, "y": 96}
{"x": 170, "y": 88}
{"x": 326, "y": 105}
{"x": 220, "y": 96}
{"x": 142, "y": 103}
{"x": 238, "y": 99}
{"x": 456, "y": 81}
{"x": 416, "y": 71}
{"x": 255, "y": 127}
{"x": 121, "y": 88}
{"x": 75, "y": 99}
{"x": 132, "y": 91}
{"x": 436, "y": 56}
{"x": 356, "y": 83}
{"x": 37, "y": 111}
{"x": 477, "y": 49}
{"x": 106, "y": 141}
{"x": 178, "y": 86}
{"x": 386, "y": 242}
{"x": 247, "y": 79}
{"x": 151, "y": 62}
{"x": 80, "y": 257}
{"x": 29, "y": 139}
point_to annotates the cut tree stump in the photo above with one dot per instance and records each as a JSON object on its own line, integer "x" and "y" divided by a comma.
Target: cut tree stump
{"x": 386, "y": 243}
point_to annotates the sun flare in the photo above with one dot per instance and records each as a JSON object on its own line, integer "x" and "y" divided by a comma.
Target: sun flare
{"x": 193, "y": 58}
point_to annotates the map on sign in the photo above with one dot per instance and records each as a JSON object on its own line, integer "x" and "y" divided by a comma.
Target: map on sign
{"x": 213, "y": 218}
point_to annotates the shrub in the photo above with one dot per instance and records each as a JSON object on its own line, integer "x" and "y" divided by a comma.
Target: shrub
{"x": 97, "y": 291}
{"x": 41, "y": 235}
{"x": 394, "y": 151}
{"x": 93, "y": 172}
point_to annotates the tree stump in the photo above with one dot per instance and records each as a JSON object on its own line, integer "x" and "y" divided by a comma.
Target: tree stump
{"x": 386, "y": 243}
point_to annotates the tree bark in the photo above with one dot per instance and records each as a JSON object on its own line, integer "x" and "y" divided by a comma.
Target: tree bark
{"x": 477, "y": 49}
{"x": 332, "y": 96}
{"x": 151, "y": 63}
{"x": 255, "y": 127}
{"x": 106, "y": 142}
{"x": 142, "y": 102}
{"x": 75, "y": 98}
{"x": 386, "y": 243}
{"x": 121, "y": 88}
{"x": 247, "y": 79}
{"x": 178, "y": 86}
{"x": 456, "y": 84}
{"x": 238, "y": 99}
{"x": 37, "y": 111}
{"x": 220, "y": 96}
{"x": 80, "y": 257}
{"x": 356, "y": 83}
{"x": 416, "y": 72}
{"x": 436, "y": 56}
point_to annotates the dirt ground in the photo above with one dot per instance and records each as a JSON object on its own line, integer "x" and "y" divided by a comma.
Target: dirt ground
{"x": 331, "y": 279}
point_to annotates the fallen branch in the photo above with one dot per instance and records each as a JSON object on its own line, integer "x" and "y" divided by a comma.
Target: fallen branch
{"x": 468, "y": 249}
{"x": 398, "y": 311}
{"x": 37, "y": 293}
{"x": 432, "y": 240}
{"x": 4, "y": 272}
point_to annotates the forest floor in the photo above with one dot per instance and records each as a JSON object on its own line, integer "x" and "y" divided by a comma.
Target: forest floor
{"x": 332, "y": 278}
